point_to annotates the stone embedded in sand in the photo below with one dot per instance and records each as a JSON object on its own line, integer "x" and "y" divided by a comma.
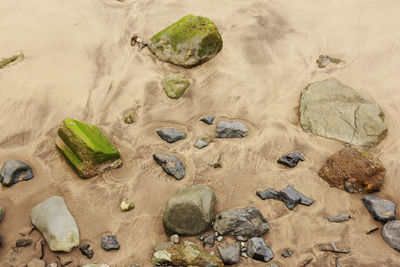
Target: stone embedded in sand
{"x": 53, "y": 219}
{"x": 2, "y": 211}
{"x": 190, "y": 211}
{"x": 200, "y": 144}
{"x": 291, "y": 159}
{"x": 382, "y": 210}
{"x": 189, "y": 42}
{"x": 86, "y": 149}
{"x": 170, "y": 164}
{"x": 324, "y": 60}
{"x": 14, "y": 169}
{"x": 175, "y": 85}
{"x": 291, "y": 197}
{"x": 86, "y": 251}
{"x": 171, "y": 135}
{"x": 110, "y": 242}
{"x": 245, "y": 222}
{"x": 354, "y": 166}
{"x": 186, "y": 254}
{"x": 391, "y": 234}
{"x": 339, "y": 218}
{"x": 333, "y": 110}
{"x": 230, "y": 254}
{"x": 258, "y": 250}
{"x": 208, "y": 120}
{"x": 231, "y": 129}
{"x": 24, "y": 242}
{"x": 268, "y": 194}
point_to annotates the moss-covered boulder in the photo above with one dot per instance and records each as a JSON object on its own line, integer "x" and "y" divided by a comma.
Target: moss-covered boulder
{"x": 175, "y": 85}
{"x": 189, "y": 42}
{"x": 86, "y": 149}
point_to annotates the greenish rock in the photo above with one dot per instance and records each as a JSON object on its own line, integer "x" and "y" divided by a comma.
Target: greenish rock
{"x": 86, "y": 149}
{"x": 186, "y": 254}
{"x": 190, "y": 212}
{"x": 175, "y": 85}
{"x": 189, "y": 42}
{"x": 332, "y": 110}
{"x": 6, "y": 61}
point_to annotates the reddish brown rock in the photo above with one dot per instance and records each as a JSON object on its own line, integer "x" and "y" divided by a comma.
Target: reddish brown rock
{"x": 352, "y": 166}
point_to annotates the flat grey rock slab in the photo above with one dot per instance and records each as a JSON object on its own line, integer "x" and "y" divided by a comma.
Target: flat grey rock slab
{"x": 339, "y": 218}
{"x": 170, "y": 164}
{"x": 200, "y": 144}
{"x": 208, "y": 120}
{"x": 382, "y": 210}
{"x": 231, "y": 129}
{"x": 171, "y": 135}
{"x": 259, "y": 250}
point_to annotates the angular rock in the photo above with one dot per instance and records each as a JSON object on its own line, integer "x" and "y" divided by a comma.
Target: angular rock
{"x": 231, "y": 129}
{"x": 208, "y": 120}
{"x": 391, "y": 234}
{"x": 36, "y": 263}
{"x": 216, "y": 162}
{"x": 229, "y": 254}
{"x": 2, "y": 211}
{"x": 190, "y": 211}
{"x": 209, "y": 240}
{"x": 189, "y": 42}
{"x": 291, "y": 159}
{"x": 287, "y": 253}
{"x": 170, "y": 164}
{"x": 267, "y": 194}
{"x": 186, "y": 254}
{"x": 382, "y": 210}
{"x": 200, "y": 144}
{"x": 86, "y": 149}
{"x": 359, "y": 168}
{"x": 86, "y": 251}
{"x": 14, "y": 171}
{"x": 258, "y": 250}
{"x": 291, "y": 197}
{"x": 175, "y": 85}
{"x": 339, "y": 218}
{"x": 333, "y": 247}
{"x": 110, "y": 242}
{"x": 245, "y": 222}
{"x": 53, "y": 219}
{"x": 332, "y": 110}
{"x": 21, "y": 243}
{"x": 349, "y": 187}
{"x": 171, "y": 135}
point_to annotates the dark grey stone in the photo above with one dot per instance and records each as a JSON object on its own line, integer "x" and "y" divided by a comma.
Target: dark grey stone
{"x": 170, "y": 164}
{"x": 208, "y": 120}
{"x": 230, "y": 254}
{"x": 200, "y": 144}
{"x": 287, "y": 253}
{"x": 258, "y": 250}
{"x": 291, "y": 159}
{"x": 339, "y": 218}
{"x": 23, "y": 243}
{"x": 349, "y": 187}
{"x": 209, "y": 241}
{"x": 391, "y": 234}
{"x": 13, "y": 170}
{"x": 382, "y": 210}
{"x": 110, "y": 242}
{"x": 267, "y": 194}
{"x": 171, "y": 135}
{"x": 291, "y": 197}
{"x": 231, "y": 129}
{"x": 86, "y": 251}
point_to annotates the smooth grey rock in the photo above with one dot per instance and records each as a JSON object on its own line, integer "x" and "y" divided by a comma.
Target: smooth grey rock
{"x": 339, "y": 218}
{"x": 258, "y": 250}
{"x": 230, "y": 254}
{"x": 110, "y": 242}
{"x": 382, "y": 210}
{"x": 332, "y": 110}
{"x": 171, "y": 135}
{"x": 333, "y": 247}
{"x": 291, "y": 159}
{"x": 291, "y": 197}
{"x": 2, "y": 211}
{"x": 209, "y": 240}
{"x": 231, "y": 129}
{"x": 219, "y": 238}
{"x": 349, "y": 187}
{"x": 200, "y": 144}
{"x": 53, "y": 219}
{"x": 267, "y": 194}
{"x": 245, "y": 222}
{"x": 170, "y": 164}
{"x": 13, "y": 170}
{"x": 190, "y": 211}
{"x": 208, "y": 120}
{"x": 391, "y": 234}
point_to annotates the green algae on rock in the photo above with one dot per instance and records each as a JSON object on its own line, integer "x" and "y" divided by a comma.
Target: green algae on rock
{"x": 6, "y": 61}
{"x": 175, "y": 85}
{"x": 86, "y": 149}
{"x": 189, "y": 42}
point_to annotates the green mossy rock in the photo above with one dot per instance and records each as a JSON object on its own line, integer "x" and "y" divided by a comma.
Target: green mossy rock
{"x": 86, "y": 149}
{"x": 175, "y": 85}
{"x": 189, "y": 42}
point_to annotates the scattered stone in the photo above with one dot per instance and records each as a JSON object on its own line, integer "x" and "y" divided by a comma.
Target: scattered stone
{"x": 339, "y": 218}
{"x": 229, "y": 254}
{"x": 170, "y": 164}
{"x": 201, "y": 238}
{"x": 6, "y": 61}
{"x": 36, "y": 263}
{"x": 287, "y": 253}
{"x": 372, "y": 230}
{"x": 2, "y": 211}
{"x": 291, "y": 197}
{"x": 86, "y": 149}
{"x": 333, "y": 247}
{"x": 208, "y": 120}
{"x": 332, "y": 110}
{"x": 186, "y": 254}
{"x": 245, "y": 222}
{"x": 53, "y": 219}
{"x": 27, "y": 230}
{"x": 241, "y": 238}
{"x": 171, "y": 135}
{"x": 216, "y": 162}
{"x": 267, "y": 194}
{"x": 190, "y": 211}
{"x": 174, "y": 239}
{"x": 86, "y": 251}
{"x": 337, "y": 263}
{"x": 244, "y": 255}
{"x": 305, "y": 262}
{"x": 354, "y": 166}
{"x": 209, "y": 241}
{"x": 258, "y": 250}
{"x": 189, "y": 42}
{"x": 200, "y": 144}
{"x": 125, "y": 206}
{"x": 216, "y": 234}
{"x": 175, "y": 85}
{"x": 22, "y": 243}
{"x": 391, "y": 234}
{"x": 162, "y": 245}
{"x": 242, "y": 245}
{"x": 130, "y": 116}
{"x": 219, "y": 238}
{"x": 110, "y": 242}
{"x": 231, "y": 129}
{"x": 38, "y": 249}
{"x": 14, "y": 171}
{"x": 291, "y": 159}
{"x": 382, "y": 210}
{"x": 143, "y": 45}
{"x": 324, "y": 60}
{"x": 349, "y": 187}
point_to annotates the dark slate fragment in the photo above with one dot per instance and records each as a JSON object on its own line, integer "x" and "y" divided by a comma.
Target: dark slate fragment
{"x": 287, "y": 253}
{"x": 13, "y": 170}
{"x": 291, "y": 197}
{"x": 110, "y": 242}
{"x": 231, "y": 129}
{"x": 267, "y": 194}
{"x": 86, "y": 251}
{"x": 258, "y": 250}
{"x": 208, "y": 120}
{"x": 171, "y": 135}
{"x": 170, "y": 164}
{"x": 382, "y": 210}
{"x": 291, "y": 159}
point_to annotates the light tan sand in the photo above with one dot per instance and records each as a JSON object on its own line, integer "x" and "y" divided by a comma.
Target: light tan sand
{"x": 79, "y": 64}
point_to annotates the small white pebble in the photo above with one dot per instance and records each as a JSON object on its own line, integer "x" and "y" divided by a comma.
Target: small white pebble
{"x": 139, "y": 40}
{"x": 219, "y": 238}
{"x": 212, "y": 253}
{"x": 242, "y": 244}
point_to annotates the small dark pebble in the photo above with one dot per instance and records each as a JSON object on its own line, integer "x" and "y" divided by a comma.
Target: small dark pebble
{"x": 110, "y": 242}
{"x": 23, "y": 243}
{"x": 209, "y": 241}
{"x": 287, "y": 253}
{"x": 349, "y": 187}
{"x": 291, "y": 159}
{"x": 208, "y": 120}
{"x": 86, "y": 251}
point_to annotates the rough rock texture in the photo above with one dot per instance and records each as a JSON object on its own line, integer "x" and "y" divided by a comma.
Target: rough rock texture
{"x": 170, "y": 164}
{"x": 324, "y": 60}
{"x": 333, "y": 110}
{"x": 86, "y": 251}
{"x": 231, "y": 129}
{"x": 86, "y": 149}
{"x": 53, "y": 219}
{"x": 14, "y": 169}
{"x": 189, "y": 42}
{"x": 291, "y": 159}
{"x": 356, "y": 167}
{"x": 110, "y": 242}
{"x": 258, "y": 250}
{"x": 380, "y": 209}
{"x": 391, "y": 234}
{"x": 200, "y": 144}
{"x": 245, "y": 222}
{"x": 339, "y": 218}
{"x": 267, "y": 194}
{"x": 190, "y": 211}
{"x": 291, "y": 197}
{"x": 208, "y": 120}
{"x": 175, "y": 85}
{"x": 187, "y": 254}
{"x": 171, "y": 135}
{"x": 229, "y": 254}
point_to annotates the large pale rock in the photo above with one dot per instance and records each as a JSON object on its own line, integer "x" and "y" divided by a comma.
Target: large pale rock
{"x": 53, "y": 219}
{"x": 330, "y": 109}
{"x": 391, "y": 234}
{"x": 190, "y": 211}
